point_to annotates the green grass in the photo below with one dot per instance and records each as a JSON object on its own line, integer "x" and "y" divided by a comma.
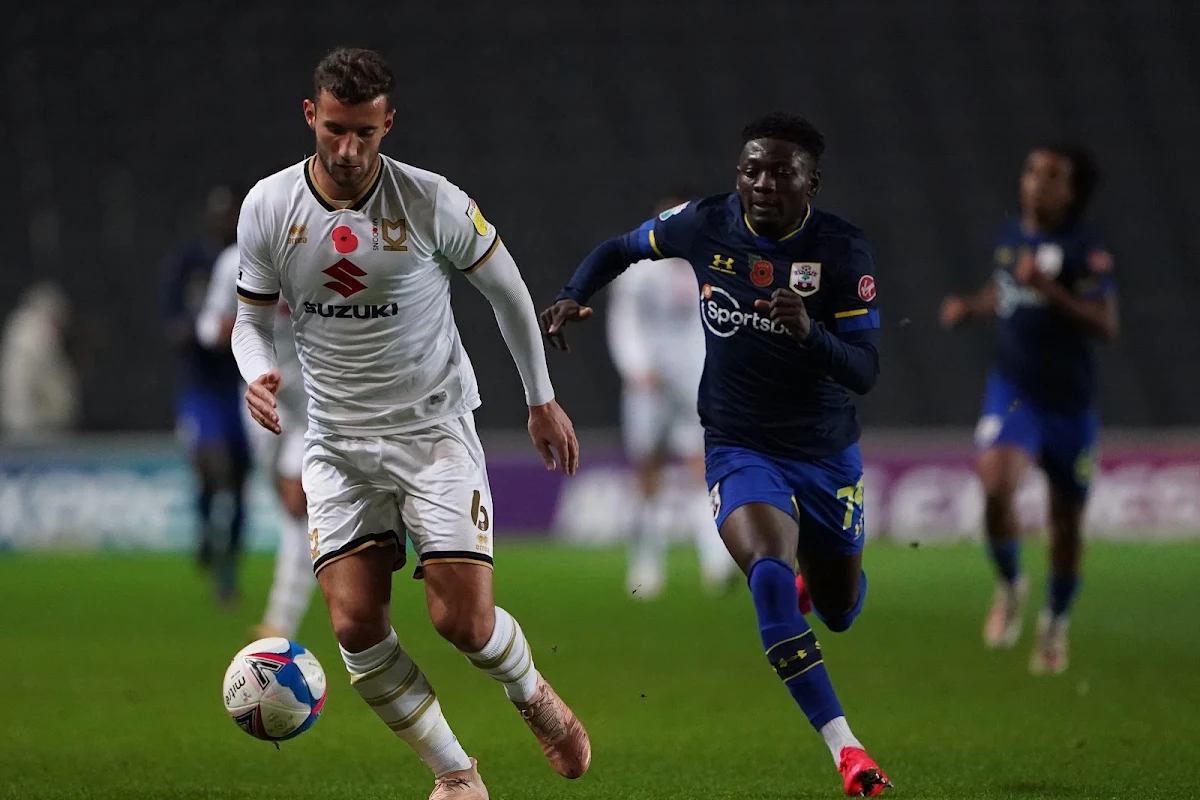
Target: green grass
{"x": 111, "y": 669}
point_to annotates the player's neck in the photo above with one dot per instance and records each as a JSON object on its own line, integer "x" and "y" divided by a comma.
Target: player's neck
{"x": 335, "y": 191}
{"x": 1041, "y": 224}
{"x": 780, "y": 232}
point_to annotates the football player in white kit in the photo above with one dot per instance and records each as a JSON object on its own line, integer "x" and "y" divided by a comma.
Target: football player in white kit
{"x": 657, "y": 345}
{"x": 363, "y": 249}
{"x": 280, "y": 457}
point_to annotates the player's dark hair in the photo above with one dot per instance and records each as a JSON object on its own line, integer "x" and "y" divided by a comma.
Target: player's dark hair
{"x": 787, "y": 128}
{"x": 353, "y": 76}
{"x": 1085, "y": 171}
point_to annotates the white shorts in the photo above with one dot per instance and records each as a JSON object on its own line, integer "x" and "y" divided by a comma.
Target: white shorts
{"x": 660, "y": 423}
{"x": 370, "y": 491}
{"x": 281, "y": 455}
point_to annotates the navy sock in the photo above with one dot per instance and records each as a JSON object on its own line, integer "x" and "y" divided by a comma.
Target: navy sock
{"x": 1007, "y": 558}
{"x": 237, "y": 523}
{"x": 790, "y": 643}
{"x": 204, "y": 504}
{"x": 1060, "y": 593}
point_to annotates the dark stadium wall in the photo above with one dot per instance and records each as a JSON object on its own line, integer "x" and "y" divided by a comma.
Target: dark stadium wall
{"x": 564, "y": 124}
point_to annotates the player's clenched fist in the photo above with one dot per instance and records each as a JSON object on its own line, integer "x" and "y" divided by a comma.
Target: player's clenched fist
{"x": 260, "y": 397}
{"x": 787, "y": 308}
{"x": 554, "y": 318}
{"x": 554, "y": 435}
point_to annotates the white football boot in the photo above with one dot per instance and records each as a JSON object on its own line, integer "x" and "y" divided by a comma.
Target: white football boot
{"x": 1049, "y": 655}
{"x": 1002, "y": 627}
{"x": 462, "y": 785}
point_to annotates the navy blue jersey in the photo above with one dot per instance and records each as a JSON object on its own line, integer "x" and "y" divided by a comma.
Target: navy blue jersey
{"x": 1049, "y": 359}
{"x": 186, "y": 275}
{"x": 761, "y": 389}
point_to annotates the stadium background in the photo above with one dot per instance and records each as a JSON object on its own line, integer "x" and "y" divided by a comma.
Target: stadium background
{"x": 565, "y": 121}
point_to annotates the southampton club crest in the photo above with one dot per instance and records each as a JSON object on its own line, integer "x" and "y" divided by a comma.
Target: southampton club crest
{"x": 805, "y": 278}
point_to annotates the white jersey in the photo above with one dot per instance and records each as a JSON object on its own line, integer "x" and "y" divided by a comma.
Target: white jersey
{"x": 654, "y": 322}
{"x": 368, "y": 285}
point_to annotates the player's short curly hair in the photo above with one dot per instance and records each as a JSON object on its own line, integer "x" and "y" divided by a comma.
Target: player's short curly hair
{"x": 353, "y": 75}
{"x": 1085, "y": 171}
{"x": 787, "y": 128}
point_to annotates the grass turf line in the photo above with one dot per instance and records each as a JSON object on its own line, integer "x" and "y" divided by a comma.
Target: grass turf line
{"x": 111, "y": 670}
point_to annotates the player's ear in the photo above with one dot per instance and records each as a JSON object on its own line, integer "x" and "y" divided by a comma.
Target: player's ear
{"x": 814, "y": 184}
{"x": 388, "y": 120}
{"x": 310, "y": 114}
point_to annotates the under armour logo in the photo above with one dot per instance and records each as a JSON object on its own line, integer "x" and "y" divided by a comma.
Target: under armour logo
{"x": 721, "y": 264}
{"x": 345, "y": 275}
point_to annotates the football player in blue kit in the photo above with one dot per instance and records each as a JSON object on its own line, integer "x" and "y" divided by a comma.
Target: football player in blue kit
{"x": 209, "y": 405}
{"x": 787, "y": 300}
{"x": 1053, "y": 294}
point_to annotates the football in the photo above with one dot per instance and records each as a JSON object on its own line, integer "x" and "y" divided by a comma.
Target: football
{"x": 274, "y": 689}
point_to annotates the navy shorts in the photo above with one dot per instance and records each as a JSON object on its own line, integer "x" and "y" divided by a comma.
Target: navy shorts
{"x": 1064, "y": 444}
{"x": 824, "y": 495}
{"x": 212, "y": 419}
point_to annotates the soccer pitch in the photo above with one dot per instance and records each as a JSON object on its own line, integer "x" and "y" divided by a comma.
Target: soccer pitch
{"x": 111, "y": 668}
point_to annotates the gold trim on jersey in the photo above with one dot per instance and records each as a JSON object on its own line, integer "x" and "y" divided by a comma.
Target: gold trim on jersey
{"x": 359, "y": 200}
{"x": 654, "y": 245}
{"x": 476, "y": 561}
{"x": 858, "y": 312}
{"x": 804, "y": 222}
{"x": 483, "y": 258}
{"x": 360, "y": 544}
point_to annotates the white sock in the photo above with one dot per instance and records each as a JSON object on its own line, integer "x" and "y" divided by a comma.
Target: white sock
{"x": 508, "y": 659}
{"x": 398, "y": 692}
{"x": 837, "y": 736}
{"x": 293, "y": 584}
{"x": 648, "y": 543}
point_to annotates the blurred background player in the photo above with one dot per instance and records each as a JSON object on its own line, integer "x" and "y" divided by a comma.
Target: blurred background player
{"x": 657, "y": 345}
{"x": 280, "y": 456}
{"x": 788, "y": 302}
{"x": 1054, "y": 295}
{"x": 209, "y": 403}
{"x": 39, "y": 379}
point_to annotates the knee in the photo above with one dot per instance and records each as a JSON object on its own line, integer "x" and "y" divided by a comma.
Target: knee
{"x": 1066, "y": 528}
{"x": 998, "y": 491}
{"x": 1000, "y": 473}
{"x": 215, "y": 467}
{"x": 840, "y": 622}
{"x": 999, "y": 508}
{"x": 750, "y": 553}
{"x": 357, "y": 629}
{"x": 462, "y": 625}
{"x": 840, "y": 615}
